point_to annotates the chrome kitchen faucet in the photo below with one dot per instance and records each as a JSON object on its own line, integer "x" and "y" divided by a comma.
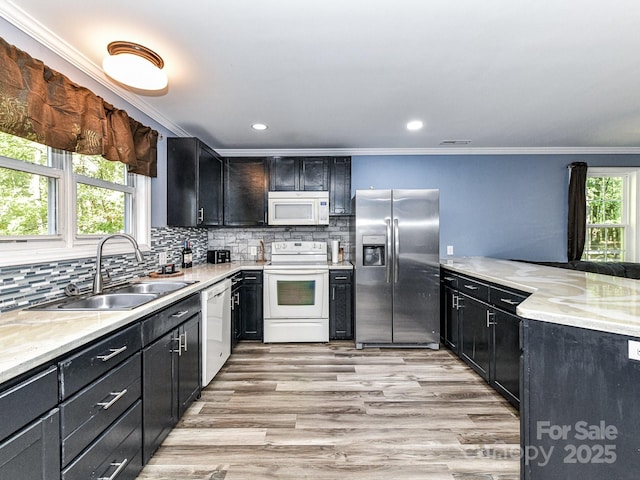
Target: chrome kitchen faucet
{"x": 97, "y": 279}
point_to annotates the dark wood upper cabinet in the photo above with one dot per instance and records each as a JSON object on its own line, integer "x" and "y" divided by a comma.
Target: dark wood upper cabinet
{"x": 194, "y": 184}
{"x": 340, "y": 186}
{"x": 245, "y": 191}
{"x": 299, "y": 173}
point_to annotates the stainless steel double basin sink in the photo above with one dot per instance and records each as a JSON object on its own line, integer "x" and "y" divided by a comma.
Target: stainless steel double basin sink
{"x": 125, "y": 297}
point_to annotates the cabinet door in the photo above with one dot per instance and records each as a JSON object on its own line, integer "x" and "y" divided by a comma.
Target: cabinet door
{"x": 284, "y": 174}
{"x": 210, "y": 187}
{"x": 34, "y": 452}
{"x": 182, "y": 182}
{"x": 505, "y": 375}
{"x": 158, "y": 392}
{"x": 475, "y": 334}
{"x": 245, "y": 192}
{"x": 251, "y": 306}
{"x": 314, "y": 174}
{"x": 340, "y": 186}
{"x": 340, "y": 306}
{"x": 189, "y": 364}
{"x": 450, "y": 332}
{"x": 236, "y": 316}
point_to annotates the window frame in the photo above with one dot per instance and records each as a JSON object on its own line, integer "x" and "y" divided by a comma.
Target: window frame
{"x": 66, "y": 244}
{"x": 630, "y": 208}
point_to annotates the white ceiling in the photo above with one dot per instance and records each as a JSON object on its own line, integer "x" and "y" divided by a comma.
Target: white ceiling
{"x": 349, "y": 74}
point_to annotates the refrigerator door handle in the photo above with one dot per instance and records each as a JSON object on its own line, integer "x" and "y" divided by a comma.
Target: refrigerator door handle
{"x": 388, "y": 254}
{"x": 396, "y": 251}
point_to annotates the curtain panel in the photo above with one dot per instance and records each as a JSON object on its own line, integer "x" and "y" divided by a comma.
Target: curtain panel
{"x": 44, "y": 106}
{"x": 577, "y": 219}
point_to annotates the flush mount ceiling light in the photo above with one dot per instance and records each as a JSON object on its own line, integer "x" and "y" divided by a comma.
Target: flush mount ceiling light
{"x": 414, "y": 125}
{"x": 135, "y": 65}
{"x": 259, "y": 126}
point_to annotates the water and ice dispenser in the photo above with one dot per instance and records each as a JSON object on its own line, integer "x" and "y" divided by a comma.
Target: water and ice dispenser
{"x": 373, "y": 250}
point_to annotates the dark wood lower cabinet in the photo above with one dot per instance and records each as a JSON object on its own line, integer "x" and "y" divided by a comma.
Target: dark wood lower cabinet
{"x": 341, "y": 305}
{"x": 251, "y": 304}
{"x": 580, "y": 404}
{"x": 34, "y": 452}
{"x": 475, "y": 349}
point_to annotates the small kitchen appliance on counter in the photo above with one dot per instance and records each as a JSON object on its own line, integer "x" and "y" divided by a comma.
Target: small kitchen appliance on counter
{"x": 218, "y": 256}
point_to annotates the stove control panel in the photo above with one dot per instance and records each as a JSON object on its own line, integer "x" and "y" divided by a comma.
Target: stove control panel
{"x": 301, "y": 247}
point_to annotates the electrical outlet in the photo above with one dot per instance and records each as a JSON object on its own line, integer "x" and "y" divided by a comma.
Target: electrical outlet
{"x": 634, "y": 350}
{"x": 449, "y": 249}
{"x": 253, "y": 250}
{"x": 162, "y": 258}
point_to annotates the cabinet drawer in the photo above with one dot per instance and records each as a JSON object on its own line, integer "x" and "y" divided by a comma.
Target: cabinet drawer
{"x": 340, "y": 276}
{"x": 473, "y": 288}
{"x": 88, "y": 413}
{"x": 28, "y": 400}
{"x": 251, "y": 276}
{"x": 506, "y": 300}
{"x": 449, "y": 279}
{"x": 119, "y": 448}
{"x": 85, "y": 366}
{"x": 165, "y": 320}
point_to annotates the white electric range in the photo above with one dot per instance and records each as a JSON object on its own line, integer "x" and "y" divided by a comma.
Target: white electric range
{"x": 296, "y": 293}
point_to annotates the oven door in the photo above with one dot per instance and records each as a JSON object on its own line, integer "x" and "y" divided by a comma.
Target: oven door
{"x": 295, "y": 293}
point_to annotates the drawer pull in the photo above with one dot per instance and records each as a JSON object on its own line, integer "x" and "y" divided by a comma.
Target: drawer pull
{"x": 250, "y": 278}
{"x": 120, "y": 466}
{"x": 449, "y": 279}
{"x": 509, "y": 301}
{"x": 180, "y": 314}
{"x": 471, "y": 287}
{"x": 340, "y": 278}
{"x": 114, "y": 353}
{"x": 118, "y": 396}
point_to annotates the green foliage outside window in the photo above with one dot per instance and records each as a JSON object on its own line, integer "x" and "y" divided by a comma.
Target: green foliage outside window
{"x": 605, "y": 219}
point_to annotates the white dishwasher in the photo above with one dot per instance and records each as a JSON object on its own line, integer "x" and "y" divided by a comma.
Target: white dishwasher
{"x": 216, "y": 329}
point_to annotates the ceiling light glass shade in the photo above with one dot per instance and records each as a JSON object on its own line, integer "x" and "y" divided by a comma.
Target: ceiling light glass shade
{"x": 259, "y": 126}
{"x": 135, "y": 66}
{"x": 414, "y": 125}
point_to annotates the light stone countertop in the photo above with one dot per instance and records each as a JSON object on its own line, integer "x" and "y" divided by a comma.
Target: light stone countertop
{"x": 33, "y": 338}
{"x": 566, "y": 297}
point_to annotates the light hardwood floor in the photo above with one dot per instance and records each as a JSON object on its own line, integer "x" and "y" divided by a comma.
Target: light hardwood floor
{"x": 316, "y": 411}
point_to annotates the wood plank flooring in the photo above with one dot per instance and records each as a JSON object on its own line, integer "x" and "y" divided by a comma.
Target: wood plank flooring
{"x": 329, "y": 411}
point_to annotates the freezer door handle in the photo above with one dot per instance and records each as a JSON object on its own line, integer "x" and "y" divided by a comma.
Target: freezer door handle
{"x": 388, "y": 254}
{"x": 396, "y": 251}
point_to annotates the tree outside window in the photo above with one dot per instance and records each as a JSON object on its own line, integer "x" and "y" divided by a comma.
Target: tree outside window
{"x": 607, "y": 218}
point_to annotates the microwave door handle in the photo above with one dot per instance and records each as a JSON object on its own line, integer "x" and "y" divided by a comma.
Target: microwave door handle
{"x": 388, "y": 246}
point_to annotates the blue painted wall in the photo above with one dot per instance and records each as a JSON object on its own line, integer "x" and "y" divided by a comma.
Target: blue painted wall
{"x": 501, "y": 206}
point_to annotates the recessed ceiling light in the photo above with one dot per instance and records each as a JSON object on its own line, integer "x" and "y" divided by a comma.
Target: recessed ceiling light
{"x": 414, "y": 125}
{"x": 259, "y": 126}
{"x": 455, "y": 142}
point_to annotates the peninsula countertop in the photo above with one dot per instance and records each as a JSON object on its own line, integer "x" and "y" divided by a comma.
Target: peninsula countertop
{"x": 566, "y": 297}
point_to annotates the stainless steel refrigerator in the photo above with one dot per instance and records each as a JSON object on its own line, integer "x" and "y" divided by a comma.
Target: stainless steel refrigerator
{"x": 397, "y": 292}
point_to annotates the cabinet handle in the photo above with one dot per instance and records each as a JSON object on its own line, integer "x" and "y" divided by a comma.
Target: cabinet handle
{"x": 455, "y": 299}
{"x": 179, "y": 340}
{"x": 489, "y": 315}
{"x": 449, "y": 279}
{"x": 180, "y": 314}
{"x": 237, "y": 298}
{"x": 118, "y": 396}
{"x": 114, "y": 352}
{"x": 471, "y": 287}
{"x": 333, "y": 293}
{"x": 120, "y": 466}
{"x": 185, "y": 341}
{"x": 201, "y": 215}
{"x": 340, "y": 278}
{"x": 509, "y": 301}
{"x": 250, "y": 278}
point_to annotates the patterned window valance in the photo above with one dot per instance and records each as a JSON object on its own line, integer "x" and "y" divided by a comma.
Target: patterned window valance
{"x": 43, "y": 105}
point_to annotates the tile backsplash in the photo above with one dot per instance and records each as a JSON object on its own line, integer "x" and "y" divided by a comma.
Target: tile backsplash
{"x": 24, "y": 285}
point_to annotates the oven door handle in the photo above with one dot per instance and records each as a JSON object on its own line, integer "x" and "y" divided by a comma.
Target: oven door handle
{"x": 297, "y": 272}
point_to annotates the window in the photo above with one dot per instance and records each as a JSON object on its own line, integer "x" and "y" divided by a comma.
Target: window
{"x": 611, "y": 215}
{"x": 58, "y": 204}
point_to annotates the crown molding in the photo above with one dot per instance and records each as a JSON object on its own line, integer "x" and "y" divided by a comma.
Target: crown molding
{"x": 27, "y": 24}
{"x": 275, "y": 152}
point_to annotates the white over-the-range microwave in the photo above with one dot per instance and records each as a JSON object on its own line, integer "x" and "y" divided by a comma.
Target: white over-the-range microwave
{"x": 298, "y": 208}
